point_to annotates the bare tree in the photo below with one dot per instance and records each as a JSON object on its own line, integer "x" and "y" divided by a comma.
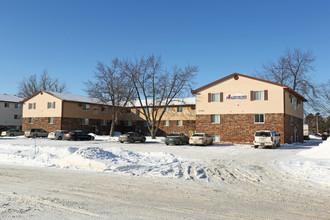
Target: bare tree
{"x": 28, "y": 87}
{"x": 293, "y": 69}
{"x": 322, "y": 102}
{"x": 156, "y": 87}
{"x": 111, "y": 87}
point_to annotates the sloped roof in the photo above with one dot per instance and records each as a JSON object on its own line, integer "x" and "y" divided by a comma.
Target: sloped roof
{"x": 69, "y": 97}
{"x": 10, "y": 98}
{"x": 286, "y": 88}
{"x": 176, "y": 101}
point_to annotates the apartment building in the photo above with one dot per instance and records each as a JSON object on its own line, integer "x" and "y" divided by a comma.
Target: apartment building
{"x": 179, "y": 116}
{"x": 10, "y": 111}
{"x": 57, "y": 111}
{"x": 234, "y": 107}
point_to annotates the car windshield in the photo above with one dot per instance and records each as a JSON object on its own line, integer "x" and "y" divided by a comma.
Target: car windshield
{"x": 262, "y": 134}
{"x": 198, "y": 135}
{"x": 173, "y": 135}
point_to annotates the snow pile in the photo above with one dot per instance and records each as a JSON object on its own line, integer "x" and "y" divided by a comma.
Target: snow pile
{"x": 312, "y": 164}
{"x": 119, "y": 160}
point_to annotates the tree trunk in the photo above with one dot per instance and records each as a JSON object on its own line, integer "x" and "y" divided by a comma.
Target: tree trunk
{"x": 112, "y": 126}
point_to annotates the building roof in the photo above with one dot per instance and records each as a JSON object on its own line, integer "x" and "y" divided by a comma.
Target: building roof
{"x": 10, "y": 98}
{"x": 69, "y": 97}
{"x": 175, "y": 102}
{"x": 235, "y": 75}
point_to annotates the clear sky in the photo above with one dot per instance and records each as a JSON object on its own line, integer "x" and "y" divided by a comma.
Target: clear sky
{"x": 68, "y": 37}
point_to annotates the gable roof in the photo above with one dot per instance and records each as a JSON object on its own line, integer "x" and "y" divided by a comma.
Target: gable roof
{"x": 10, "y": 98}
{"x": 175, "y": 102}
{"x": 69, "y": 97}
{"x": 234, "y": 75}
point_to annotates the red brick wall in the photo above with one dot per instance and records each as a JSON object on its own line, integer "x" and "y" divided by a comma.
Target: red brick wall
{"x": 239, "y": 128}
{"x": 42, "y": 122}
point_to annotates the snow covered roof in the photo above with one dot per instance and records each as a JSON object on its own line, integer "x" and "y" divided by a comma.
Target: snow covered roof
{"x": 10, "y": 98}
{"x": 177, "y": 101}
{"x": 76, "y": 98}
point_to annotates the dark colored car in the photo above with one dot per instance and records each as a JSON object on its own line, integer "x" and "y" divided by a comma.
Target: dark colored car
{"x": 78, "y": 135}
{"x": 131, "y": 137}
{"x": 176, "y": 138}
{"x": 35, "y": 133}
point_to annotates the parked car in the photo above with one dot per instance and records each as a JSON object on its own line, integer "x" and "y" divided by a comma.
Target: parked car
{"x": 12, "y": 132}
{"x": 325, "y": 136}
{"x": 35, "y": 133}
{"x": 131, "y": 137}
{"x": 266, "y": 138}
{"x": 200, "y": 139}
{"x": 78, "y": 135}
{"x": 176, "y": 138}
{"x": 57, "y": 135}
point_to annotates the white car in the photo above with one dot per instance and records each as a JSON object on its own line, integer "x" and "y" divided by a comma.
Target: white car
{"x": 266, "y": 138}
{"x": 57, "y": 135}
{"x": 200, "y": 139}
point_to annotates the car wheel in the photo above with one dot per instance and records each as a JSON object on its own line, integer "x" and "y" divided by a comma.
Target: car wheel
{"x": 59, "y": 138}
{"x": 92, "y": 138}
{"x": 143, "y": 140}
{"x": 131, "y": 140}
{"x": 166, "y": 143}
{"x": 255, "y": 146}
{"x": 34, "y": 136}
{"x": 11, "y": 135}
{"x": 274, "y": 146}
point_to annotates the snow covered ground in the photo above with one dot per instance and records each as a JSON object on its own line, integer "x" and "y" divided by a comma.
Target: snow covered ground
{"x": 310, "y": 160}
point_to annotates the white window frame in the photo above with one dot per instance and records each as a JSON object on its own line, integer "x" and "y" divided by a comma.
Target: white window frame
{"x": 294, "y": 104}
{"x": 259, "y": 122}
{"x": 166, "y": 123}
{"x": 32, "y": 105}
{"x": 167, "y": 109}
{"x": 216, "y": 138}
{"x": 179, "y": 109}
{"x": 51, "y": 105}
{"x": 179, "y": 123}
{"x": 215, "y": 97}
{"x": 215, "y": 119}
{"x": 259, "y": 95}
{"x": 31, "y": 121}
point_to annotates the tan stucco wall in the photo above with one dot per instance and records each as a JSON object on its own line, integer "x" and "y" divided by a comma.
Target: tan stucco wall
{"x": 188, "y": 113}
{"x": 242, "y": 86}
{"x": 75, "y": 110}
{"x": 42, "y": 110}
{"x": 289, "y": 108}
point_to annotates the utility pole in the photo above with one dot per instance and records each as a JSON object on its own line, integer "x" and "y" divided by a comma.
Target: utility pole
{"x": 317, "y": 123}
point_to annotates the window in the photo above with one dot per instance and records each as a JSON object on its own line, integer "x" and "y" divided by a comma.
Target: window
{"x": 85, "y": 121}
{"x": 179, "y": 109}
{"x": 86, "y": 107}
{"x": 104, "y": 122}
{"x": 215, "y": 119}
{"x": 128, "y": 123}
{"x": 96, "y": 110}
{"x": 32, "y": 105}
{"x": 258, "y": 95}
{"x": 137, "y": 112}
{"x": 259, "y": 118}
{"x": 167, "y": 109}
{"x": 179, "y": 123}
{"x": 50, "y": 120}
{"x": 18, "y": 105}
{"x": 215, "y": 97}
{"x": 128, "y": 110}
{"x": 17, "y": 116}
{"x": 51, "y": 104}
{"x": 31, "y": 120}
{"x": 6, "y": 104}
{"x": 104, "y": 109}
{"x": 148, "y": 110}
{"x": 216, "y": 138}
{"x": 166, "y": 123}
{"x": 291, "y": 98}
{"x": 294, "y": 104}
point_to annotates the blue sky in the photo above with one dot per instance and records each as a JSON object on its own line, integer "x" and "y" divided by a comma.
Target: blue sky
{"x": 68, "y": 37}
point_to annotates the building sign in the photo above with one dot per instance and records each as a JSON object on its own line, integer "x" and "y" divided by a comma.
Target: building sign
{"x": 236, "y": 96}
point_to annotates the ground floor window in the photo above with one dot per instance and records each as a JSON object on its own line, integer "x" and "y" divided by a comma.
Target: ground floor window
{"x": 50, "y": 120}
{"x": 85, "y": 121}
{"x": 215, "y": 119}
{"x": 104, "y": 122}
{"x": 166, "y": 123}
{"x": 31, "y": 120}
{"x": 216, "y": 138}
{"x": 259, "y": 118}
{"x": 128, "y": 123}
{"x": 179, "y": 123}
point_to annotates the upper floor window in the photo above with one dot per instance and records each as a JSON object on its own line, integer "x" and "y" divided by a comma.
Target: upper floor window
{"x": 6, "y": 104}
{"x": 137, "y": 112}
{"x": 51, "y": 105}
{"x": 294, "y": 104}
{"x": 104, "y": 109}
{"x": 17, "y": 116}
{"x": 32, "y": 105}
{"x": 259, "y": 95}
{"x": 86, "y": 107}
{"x": 96, "y": 110}
{"x": 291, "y": 98}
{"x": 179, "y": 109}
{"x": 215, "y": 97}
{"x": 215, "y": 119}
{"x": 167, "y": 109}
{"x": 18, "y": 105}
{"x": 259, "y": 118}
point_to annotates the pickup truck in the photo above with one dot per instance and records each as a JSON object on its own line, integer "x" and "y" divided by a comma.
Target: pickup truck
{"x": 266, "y": 138}
{"x": 200, "y": 139}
